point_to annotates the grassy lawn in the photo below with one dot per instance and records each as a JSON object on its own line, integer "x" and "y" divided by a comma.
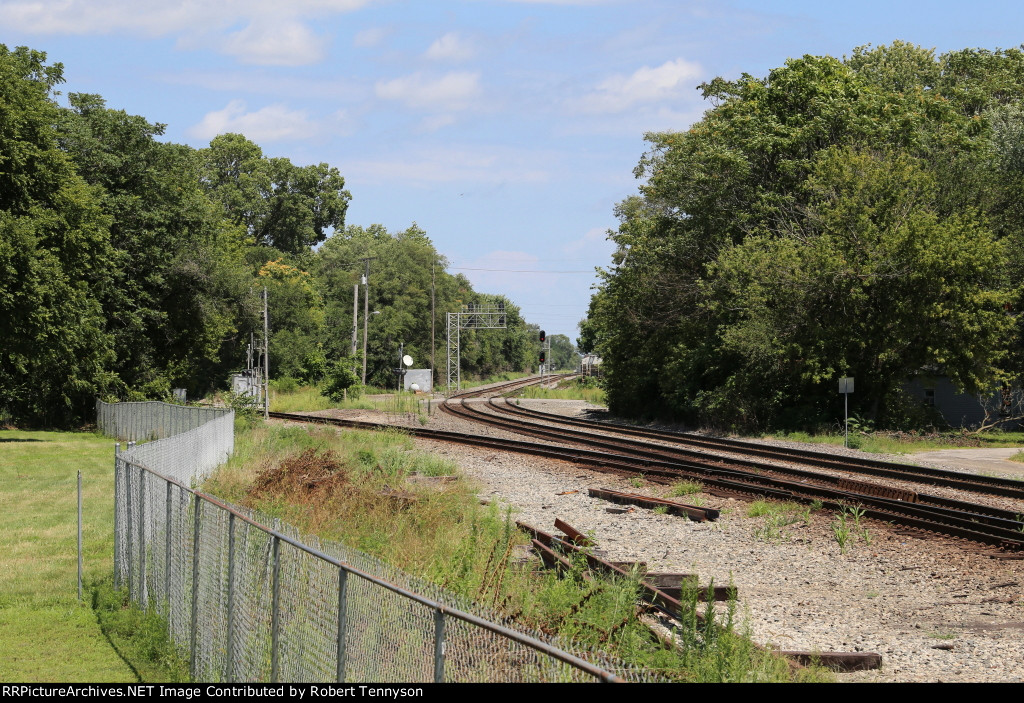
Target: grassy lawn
{"x": 46, "y": 634}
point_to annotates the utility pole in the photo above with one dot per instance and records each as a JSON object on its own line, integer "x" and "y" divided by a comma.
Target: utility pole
{"x": 401, "y": 355}
{"x": 355, "y": 322}
{"x": 432, "y": 319}
{"x": 266, "y": 358}
{"x": 366, "y": 308}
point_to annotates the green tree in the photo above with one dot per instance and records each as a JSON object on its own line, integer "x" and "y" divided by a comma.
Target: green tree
{"x": 564, "y": 356}
{"x": 296, "y": 313}
{"x": 833, "y": 217}
{"x": 177, "y": 295}
{"x": 287, "y": 207}
{"x": 405, "y": 267}
{"x": 55, "y": 255}
{"x": 871, "y": 283}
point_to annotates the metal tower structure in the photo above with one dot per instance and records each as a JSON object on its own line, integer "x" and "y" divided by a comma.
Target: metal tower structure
{"x": 471, "y": 317}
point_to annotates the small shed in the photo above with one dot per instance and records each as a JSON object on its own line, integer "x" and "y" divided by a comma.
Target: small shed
{"x": 964, "y": 409}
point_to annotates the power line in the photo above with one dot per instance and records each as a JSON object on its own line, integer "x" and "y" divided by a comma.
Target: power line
{"x": 466, "y": 268}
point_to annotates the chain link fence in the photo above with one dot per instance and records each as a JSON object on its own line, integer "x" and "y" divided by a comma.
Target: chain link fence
{"x": 252, "y": 600}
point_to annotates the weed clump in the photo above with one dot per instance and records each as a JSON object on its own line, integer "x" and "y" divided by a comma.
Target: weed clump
{"x": 685, "y": 488}
{"x": 303, "y": 476}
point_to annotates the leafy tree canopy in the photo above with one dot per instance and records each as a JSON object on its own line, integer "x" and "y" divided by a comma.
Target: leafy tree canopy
{"x": 856, "y": 216}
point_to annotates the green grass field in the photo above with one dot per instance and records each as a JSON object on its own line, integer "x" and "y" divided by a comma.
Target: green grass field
{"x": 46, "y": 634}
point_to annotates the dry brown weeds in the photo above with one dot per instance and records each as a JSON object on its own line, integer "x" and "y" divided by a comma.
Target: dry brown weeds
{"x": 307, "y": 477}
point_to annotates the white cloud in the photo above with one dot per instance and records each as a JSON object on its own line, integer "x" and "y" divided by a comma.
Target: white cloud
{"x": 432, "y": 123}
{"x": 453, "y": 91}
{"x": 268, "y": 124}
{"x": 669, "y": 81}
{"x": 564, "y": 2}
{"x": 370, "y": 37}
{"x": 473, "y": 166}
{"x": 285, "y": 43}
{"x": 274, "y": 32}
{"x": 154, "y": 17}
{"x": 450, "y": 47}
{"x": 594, "y": 239}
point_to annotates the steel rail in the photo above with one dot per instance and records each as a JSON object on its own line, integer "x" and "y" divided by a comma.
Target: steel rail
{"x": 978, "y": 513}
{"x": 938, "y": 477}
{"x": 930, "y": 519}
{"x": 955, "y": 519}
{"x": 998, "y": 516}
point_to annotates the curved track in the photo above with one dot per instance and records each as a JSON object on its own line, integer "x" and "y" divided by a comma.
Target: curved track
{"x": 737, "y": 474}
{"x": 720, "y": 473}
{"x": 873, "y": 467}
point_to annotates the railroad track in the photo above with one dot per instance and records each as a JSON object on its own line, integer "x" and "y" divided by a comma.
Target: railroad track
{"x": 976, "y": 526}
{"x": 991, "y": 485}
{"x": 939, "y": 514}
{"x": 717, "y": 460}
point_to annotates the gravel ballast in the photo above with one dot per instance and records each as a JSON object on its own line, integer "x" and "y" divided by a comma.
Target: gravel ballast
{"x": 936, "y": 609}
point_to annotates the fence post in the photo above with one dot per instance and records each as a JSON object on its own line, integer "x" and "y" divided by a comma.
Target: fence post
{"x": 142, "y": 538}
{"x": 167, "y": 550}
{"x": 195, "y": 586}
{"x": 118, "y": 538}
{"x": 439, "y": 645}
{"x": 275, "y": 621}
{"x": 130, "y": 551}
{"x": 342, "y": 613}
{"x": 79, "y": 535}
{"x": 231, "y": 599}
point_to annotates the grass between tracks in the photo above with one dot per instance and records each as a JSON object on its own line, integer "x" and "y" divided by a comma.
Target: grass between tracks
{"x": 46, "y": 633}
{"x": 341, "y": 486}
{"x": 908, "y": 443}
{"x": 292, "y": 399}
{"x": 570, "y": 389}
{"x": 287, "y": 396}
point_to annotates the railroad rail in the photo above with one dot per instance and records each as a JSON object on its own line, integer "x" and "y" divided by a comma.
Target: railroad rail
{"x": 978, "y": 527}
{"x": 695, "y": 458}
{"x": 992, "y": 485}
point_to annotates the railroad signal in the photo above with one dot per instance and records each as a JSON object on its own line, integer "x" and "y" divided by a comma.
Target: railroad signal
{"x": 543, "y": 335}
{"x": 542, "y": 357}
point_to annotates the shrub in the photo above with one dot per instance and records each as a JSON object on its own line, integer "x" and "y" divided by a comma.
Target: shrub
{"x": 341, "y": 381}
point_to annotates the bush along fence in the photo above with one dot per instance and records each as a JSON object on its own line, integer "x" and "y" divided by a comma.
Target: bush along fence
{"x": 249, "y": 600}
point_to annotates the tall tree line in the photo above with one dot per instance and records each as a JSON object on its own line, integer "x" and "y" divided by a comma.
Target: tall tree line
{"x": 130, "y": 265}
{"x": 857, "y": 217}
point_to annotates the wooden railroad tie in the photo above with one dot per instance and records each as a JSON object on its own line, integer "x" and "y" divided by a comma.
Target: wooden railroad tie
{"x": 691, "y": 511}
{"x": 874, "y": 489}
{"x": 655, "y": 591}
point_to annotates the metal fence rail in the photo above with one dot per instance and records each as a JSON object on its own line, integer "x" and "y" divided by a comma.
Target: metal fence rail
{"x": 251, "y": 601}
{"x": 144, "y": 421}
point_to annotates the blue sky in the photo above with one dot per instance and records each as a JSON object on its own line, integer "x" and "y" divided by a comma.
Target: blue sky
{"x": 507, "y": 129}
